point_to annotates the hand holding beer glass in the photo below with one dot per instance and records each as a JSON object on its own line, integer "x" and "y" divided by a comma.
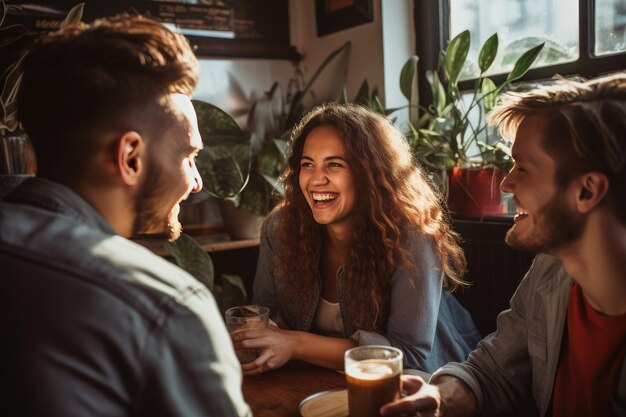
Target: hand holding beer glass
{"x": 373, "y": 378}
{"x": 246, "y": 317}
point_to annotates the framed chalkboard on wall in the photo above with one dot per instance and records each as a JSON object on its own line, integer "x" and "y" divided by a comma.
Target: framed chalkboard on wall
{"x": 216, "y": 28}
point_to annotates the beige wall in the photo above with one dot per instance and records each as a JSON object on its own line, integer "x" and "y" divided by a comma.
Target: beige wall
{"x": 378, "y": 51}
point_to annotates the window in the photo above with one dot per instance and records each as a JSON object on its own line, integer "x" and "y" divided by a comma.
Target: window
{"x": 585, "y": 37}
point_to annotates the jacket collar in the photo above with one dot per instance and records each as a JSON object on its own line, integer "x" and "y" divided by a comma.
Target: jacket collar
{"x": 53, "y": 196}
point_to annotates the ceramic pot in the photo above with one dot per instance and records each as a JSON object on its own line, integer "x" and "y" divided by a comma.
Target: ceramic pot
{"x": 240, "y": 223}
{"x": 475, "y": 192}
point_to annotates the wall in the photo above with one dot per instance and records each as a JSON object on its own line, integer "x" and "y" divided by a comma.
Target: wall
{"x": 378, "y": 51}
{"x": 233, "y": 84}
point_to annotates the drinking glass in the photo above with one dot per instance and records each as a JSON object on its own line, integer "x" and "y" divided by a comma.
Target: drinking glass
{"x": 246, "y": 317}
{"x": 373, "y": 378}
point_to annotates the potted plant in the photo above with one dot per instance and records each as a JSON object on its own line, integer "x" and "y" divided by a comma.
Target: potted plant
{"x": 16, "y": 154}
{"x": 228, "y": 290}
{"x": 241, "y": 166}
{"x": 452, "y": 139}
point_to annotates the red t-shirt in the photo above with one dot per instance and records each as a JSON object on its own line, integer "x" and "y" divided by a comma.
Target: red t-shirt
{"x": 591, "y": 358}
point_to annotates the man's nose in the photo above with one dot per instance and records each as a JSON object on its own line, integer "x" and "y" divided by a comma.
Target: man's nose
{"x": 197, "y": 179}
{"x": 506, "y": 186}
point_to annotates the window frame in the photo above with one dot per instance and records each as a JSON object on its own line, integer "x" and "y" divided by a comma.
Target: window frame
{"x": 432, "y": 23}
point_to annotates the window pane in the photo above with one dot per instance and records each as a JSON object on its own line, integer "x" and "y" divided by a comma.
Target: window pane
{"x": 520, "y": 24}
{"x": 610, "y": 26}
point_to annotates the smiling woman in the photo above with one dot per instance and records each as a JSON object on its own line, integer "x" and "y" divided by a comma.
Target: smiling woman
{"x": 359, "y": 253}
{"x": 326, "y": 179}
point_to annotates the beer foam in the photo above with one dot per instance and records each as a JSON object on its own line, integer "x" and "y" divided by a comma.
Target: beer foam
{"x": 370, "y": 369}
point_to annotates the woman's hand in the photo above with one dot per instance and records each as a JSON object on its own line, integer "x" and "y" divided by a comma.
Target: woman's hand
{"x": 277, "y": 346}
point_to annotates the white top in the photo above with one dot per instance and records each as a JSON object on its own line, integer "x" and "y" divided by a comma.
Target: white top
{"x": 328, "y": 318}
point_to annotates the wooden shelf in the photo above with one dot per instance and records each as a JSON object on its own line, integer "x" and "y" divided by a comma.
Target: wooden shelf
{"x": 212, "y": 241}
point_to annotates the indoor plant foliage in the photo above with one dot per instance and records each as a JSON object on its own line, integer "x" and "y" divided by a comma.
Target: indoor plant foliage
{"x": 228, "y": 291}
{"x": 243, "y": 164}
{"x": 17, "y": 158}
{"x": 447, "y": 135}
{"x": 13, "y": 37}
{"x": 451, "y": 139}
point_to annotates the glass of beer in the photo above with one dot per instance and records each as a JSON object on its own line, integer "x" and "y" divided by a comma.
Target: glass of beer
{"x": 373, "y": 377}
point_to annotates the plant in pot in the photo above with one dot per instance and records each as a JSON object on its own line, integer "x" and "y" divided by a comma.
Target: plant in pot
{"x": 17, "y": 159}
{"x": 228, "y": 290}
{"x": 241, "y": 167}
{"x": 452, "y": 139}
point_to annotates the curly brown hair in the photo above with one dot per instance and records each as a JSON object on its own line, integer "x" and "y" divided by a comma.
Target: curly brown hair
{"x": 393, "y": 195}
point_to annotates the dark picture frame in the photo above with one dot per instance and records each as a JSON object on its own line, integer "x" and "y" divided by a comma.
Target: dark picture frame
{"x": 336, "y": 15}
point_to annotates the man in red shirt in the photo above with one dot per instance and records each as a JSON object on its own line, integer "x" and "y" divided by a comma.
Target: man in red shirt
{"x": 560, "y": 349}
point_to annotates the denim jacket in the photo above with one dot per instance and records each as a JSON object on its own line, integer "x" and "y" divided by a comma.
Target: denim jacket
{"x": 514, "y": 368}
{"x": 94, "y": 324}
{"x": 425, "y": 322}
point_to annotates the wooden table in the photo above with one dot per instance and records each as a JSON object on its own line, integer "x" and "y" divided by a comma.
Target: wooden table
{"x": 278, "y": 393}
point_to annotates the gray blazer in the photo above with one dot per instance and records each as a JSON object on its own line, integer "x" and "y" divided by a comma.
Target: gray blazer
{"x": 98, "y": 325}
{"x": 427, "y": 323}
{"x": 513, "y": 369}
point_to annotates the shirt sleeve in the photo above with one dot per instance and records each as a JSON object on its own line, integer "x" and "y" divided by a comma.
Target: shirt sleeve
{"x": 415, "y": 299}
{"x": 191, "y": 368}
{"x": 264, "y": 288}
{"x": 499, "y": 371}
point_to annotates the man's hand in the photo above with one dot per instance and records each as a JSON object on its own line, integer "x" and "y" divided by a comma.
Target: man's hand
{"x": 449, "y": 397}
{"x": 422, "y": 399}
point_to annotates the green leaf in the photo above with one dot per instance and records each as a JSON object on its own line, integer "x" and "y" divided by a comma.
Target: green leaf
{"x": 192, "y": 258}
{"x": 524, "y": 62}
{"x": 392, "y": 110}
{"x": 455, "y": 56}
{"x": 408, "y": 79}
{"x": 376, "y": 105}
{"x": 296, "y": 104}
{"x": 490, "y": 94}
{"x": 12, "y": 33}
{"x": 74, "y": 15}
{"x": 282, "y": 146}
{"x": 363, "y": 95}
{"x": 488, "y": 53}
{"x": 217, "y": 127}
{"x": 232, "y": 292}
{"x": 343, "y": 96}
{"x": 439, "y": 93}
{"x": 271, "y": 160}
{"x": 255, "y": 197}
{"x": 225, "y": 170}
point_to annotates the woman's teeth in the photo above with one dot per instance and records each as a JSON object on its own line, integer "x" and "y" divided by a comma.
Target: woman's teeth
{"x": 324, "y": 197}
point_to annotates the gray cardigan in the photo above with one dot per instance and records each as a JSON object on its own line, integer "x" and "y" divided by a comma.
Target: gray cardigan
{"x": 514, "y": 368}
{"x": 425, "y": 322}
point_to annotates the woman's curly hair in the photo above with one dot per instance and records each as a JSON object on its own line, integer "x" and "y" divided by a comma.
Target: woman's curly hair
{"x": 393, "y": 195}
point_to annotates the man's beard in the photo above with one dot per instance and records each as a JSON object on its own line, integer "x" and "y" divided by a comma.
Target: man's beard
{"x": 149, "y": 216}
{"x": 554, "y": 226}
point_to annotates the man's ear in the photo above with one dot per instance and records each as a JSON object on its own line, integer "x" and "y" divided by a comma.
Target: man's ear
{"x": 593, "y": 187}
{"x": 130, "y": 157}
